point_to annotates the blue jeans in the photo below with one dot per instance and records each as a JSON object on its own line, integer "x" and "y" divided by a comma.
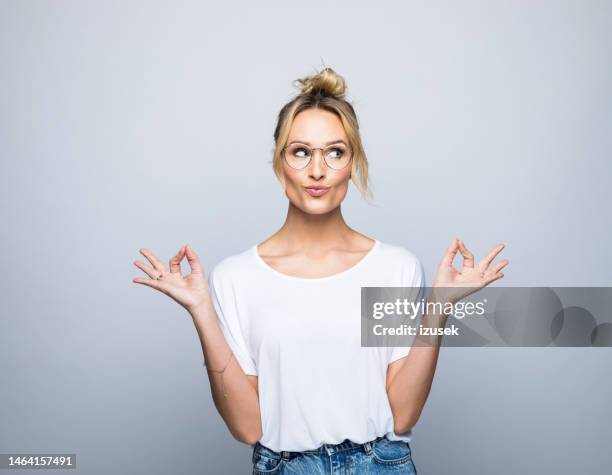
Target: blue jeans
{"x": 380, "y": 455}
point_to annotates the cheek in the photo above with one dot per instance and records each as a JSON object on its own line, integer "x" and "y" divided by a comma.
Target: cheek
{"x": 292, "y": 177}
{"x": 341, "y": 180}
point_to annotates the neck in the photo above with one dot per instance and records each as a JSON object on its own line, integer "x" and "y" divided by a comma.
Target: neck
{"x": 315, "y": 231}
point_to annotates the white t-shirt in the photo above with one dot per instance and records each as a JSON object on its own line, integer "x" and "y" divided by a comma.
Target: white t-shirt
{"x": 302, "y": 338}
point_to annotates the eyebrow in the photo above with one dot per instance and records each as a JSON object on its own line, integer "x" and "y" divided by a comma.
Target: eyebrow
{"x": 326, "y": 143}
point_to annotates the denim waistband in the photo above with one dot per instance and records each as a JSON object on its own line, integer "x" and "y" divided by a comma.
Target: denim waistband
{"x": 329, "y": 449}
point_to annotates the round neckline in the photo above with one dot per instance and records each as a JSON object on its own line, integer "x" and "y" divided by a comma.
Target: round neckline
{"x": 351, "y": 269}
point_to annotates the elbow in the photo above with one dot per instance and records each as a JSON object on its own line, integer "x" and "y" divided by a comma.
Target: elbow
{"x": 406, "y": 422}
{"x": 247, "y": 436}
{"x": 250, "y": 439}
{"x": 402, "y": 427}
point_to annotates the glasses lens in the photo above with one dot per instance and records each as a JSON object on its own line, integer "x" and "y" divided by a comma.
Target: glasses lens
{"x": 297, "y": 155}
{"x": 337, "y": 156}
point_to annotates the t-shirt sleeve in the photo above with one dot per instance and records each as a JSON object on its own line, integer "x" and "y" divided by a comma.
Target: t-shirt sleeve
{"x": 415, "y": 279}
{"x": 224, "y": 301}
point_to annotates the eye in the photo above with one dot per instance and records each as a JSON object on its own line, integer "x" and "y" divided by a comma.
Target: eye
{"x": 335, "y": 152}
{"x": 300, "y": 152}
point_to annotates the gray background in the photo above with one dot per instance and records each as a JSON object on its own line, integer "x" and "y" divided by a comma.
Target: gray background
{"x": 140, "y": 124}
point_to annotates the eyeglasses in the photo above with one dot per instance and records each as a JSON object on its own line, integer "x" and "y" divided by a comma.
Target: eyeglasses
{"x": 298, "y": 155}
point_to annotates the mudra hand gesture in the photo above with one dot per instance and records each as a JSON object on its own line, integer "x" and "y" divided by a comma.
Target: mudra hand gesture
{"x": 189, "y": 291}
{"x": 451, "y": 285}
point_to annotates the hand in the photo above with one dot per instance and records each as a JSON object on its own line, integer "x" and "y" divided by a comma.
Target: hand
{"x": 189, "y": 291}
{"x": 469, "y": 279}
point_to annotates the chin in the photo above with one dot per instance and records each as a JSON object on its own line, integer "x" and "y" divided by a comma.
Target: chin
{"x": 312, "y": 206}
{"x": 320, "y": 209}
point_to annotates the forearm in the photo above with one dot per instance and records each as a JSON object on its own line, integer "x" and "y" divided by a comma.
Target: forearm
{"x": 240, "y": 409}
{"x": 410, "y": 386}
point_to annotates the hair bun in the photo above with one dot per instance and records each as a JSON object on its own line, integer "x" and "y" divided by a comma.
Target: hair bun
{"x": 326, "y": 82}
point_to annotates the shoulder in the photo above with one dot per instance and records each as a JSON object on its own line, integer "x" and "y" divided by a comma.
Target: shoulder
{"x": 396, "y": 255}
{"x": 232, "y": 266}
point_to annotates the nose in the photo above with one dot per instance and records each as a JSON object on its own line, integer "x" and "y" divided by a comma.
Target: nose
{"x": 317, "y": 164}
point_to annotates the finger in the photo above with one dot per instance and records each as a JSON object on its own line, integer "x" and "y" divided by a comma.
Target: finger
{"x": 500, "y": 266}
{"x": 486, "y": 261}
{"x": 193, "y": 259}
{"x": 493, "y": 278}
{"x": 156, "y": 284}
{"x": 146, "y": 269}
{"x": 175, "y": 262}
{"x": 468, "y": 257}
{"x": 451, "y": 252}
{"x": 153, "y": 260}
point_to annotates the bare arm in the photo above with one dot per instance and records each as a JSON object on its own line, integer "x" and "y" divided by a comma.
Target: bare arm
{"x": 240, "y": 407}
{"x": 409, "y": 379}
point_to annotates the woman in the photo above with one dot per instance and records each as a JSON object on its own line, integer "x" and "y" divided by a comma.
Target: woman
{"x": 280, "y": 322}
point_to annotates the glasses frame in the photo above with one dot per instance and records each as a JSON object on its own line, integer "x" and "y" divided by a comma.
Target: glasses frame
{"x": 312, "y": 150}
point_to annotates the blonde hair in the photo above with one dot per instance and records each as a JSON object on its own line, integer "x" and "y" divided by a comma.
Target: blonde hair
{"x": 324, "y": 90}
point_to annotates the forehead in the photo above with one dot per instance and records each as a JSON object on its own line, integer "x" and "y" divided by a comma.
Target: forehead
{"x": 317, "y": 125}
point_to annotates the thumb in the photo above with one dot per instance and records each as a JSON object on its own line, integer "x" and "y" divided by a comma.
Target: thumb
{"x": 193, "y": 260}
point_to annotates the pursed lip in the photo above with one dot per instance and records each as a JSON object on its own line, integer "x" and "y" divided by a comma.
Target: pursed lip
{"x": 316, "y": 190}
